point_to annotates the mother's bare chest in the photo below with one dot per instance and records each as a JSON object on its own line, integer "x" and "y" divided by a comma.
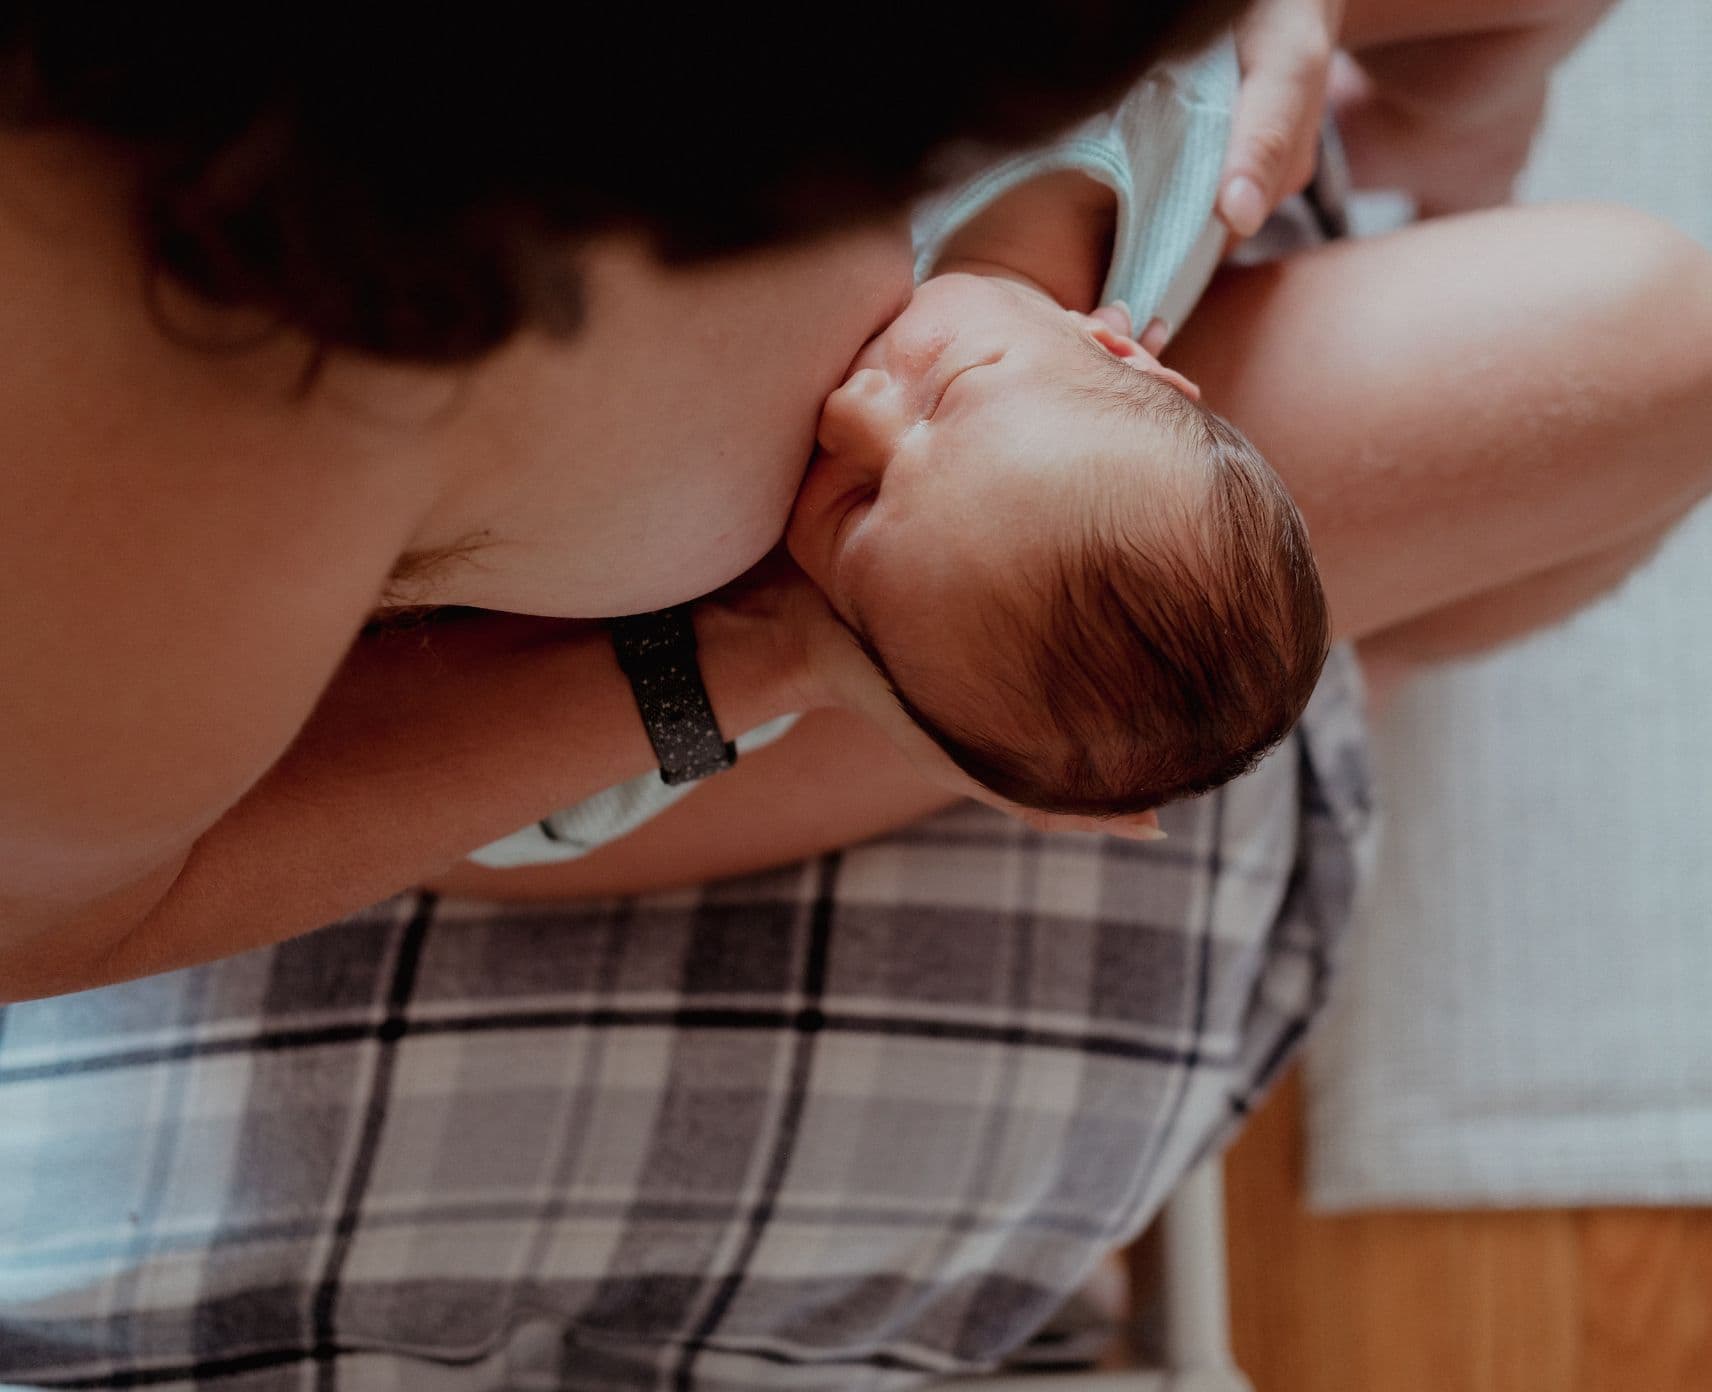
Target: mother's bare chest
{"x": 656, "y": 456}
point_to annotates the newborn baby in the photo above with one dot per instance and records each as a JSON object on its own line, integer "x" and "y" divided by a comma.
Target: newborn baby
{"x": 1088, "y": 590}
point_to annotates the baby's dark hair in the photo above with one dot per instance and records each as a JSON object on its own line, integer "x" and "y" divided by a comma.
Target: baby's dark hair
{"x": 1169, "y": 651}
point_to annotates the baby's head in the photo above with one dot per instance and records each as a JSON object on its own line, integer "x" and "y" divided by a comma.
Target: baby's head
{"x": 1089, "y": 591}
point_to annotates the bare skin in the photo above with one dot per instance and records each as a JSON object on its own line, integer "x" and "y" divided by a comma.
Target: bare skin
{"x": 192, "y": 721}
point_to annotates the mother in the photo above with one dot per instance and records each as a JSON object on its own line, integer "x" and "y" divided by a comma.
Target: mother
{"x": 190, "y": 539}
{"x": 187, "y": 531}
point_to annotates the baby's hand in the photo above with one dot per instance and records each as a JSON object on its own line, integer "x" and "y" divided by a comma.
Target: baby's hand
{"x": 1116, "y": 316}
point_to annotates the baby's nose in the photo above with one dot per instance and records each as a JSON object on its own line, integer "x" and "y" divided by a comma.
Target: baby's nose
{"x": 860, "y": 421}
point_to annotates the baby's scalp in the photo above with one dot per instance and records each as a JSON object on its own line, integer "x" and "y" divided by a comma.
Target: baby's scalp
{"x": 1169, "y": 634}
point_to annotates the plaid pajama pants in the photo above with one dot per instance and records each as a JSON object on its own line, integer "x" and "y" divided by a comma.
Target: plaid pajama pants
{"x": 853, "y": 1124}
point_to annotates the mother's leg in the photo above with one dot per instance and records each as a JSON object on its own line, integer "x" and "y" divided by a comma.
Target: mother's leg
{"x": 1442, "y": 98}
{"x": 1490, "y": 620}
{"x": 1469, "y": 406}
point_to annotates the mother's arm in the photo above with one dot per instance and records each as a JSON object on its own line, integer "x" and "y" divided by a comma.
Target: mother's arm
{"x": 1460, "y": 409}
{"x": 196, "y": 760}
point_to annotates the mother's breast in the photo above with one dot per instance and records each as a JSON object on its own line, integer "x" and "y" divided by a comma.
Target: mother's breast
{"x": 655, "y": 456}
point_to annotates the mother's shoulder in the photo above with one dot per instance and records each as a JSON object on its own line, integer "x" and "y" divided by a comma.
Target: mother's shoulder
{"x": 120, "y": 394}
{"x": 189, "y": 553}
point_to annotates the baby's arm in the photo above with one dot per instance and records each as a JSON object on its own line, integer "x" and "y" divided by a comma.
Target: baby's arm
{"x": 1055, "y": 231}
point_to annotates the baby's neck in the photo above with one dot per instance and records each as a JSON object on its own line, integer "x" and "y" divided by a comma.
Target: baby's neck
{"x": 1053, "y": 233}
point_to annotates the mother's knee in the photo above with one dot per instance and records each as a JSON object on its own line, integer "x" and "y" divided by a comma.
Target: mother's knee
{"x": 1642, "y": 273}
{"x": 1633, "y": 339}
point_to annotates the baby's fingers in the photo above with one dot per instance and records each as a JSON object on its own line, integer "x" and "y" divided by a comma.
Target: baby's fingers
{"x": 1114, "y": 316}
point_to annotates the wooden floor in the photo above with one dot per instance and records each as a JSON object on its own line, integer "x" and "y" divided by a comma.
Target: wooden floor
{"x": 1594, "y": 1300}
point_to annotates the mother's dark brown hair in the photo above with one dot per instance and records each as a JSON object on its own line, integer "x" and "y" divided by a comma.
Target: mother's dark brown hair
{"x": 407, "y": 185}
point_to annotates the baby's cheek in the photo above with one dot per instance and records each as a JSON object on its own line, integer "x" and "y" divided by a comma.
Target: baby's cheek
{"x": 903, "y": 594}
{"x": 810, "y": 529}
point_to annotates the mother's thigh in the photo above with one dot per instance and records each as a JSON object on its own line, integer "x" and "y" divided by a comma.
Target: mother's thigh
{"x": 885, "y": 1109}
{"x": 1471, "y": 401}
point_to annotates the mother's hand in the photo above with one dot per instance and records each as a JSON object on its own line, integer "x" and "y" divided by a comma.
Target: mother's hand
{"x": 1285, "y": 49}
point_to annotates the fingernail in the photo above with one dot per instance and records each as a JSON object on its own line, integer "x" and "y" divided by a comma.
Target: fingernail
{"x": 1149, "y": 834}
{"x": 1243, "y": 205}
{"x": 1129, "y": 315}
{"x": 1155, "y": 336}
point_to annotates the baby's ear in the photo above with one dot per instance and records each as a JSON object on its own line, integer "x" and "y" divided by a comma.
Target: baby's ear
{"x": 1119, "y": 345}
{"x": 1126, "y": 349}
